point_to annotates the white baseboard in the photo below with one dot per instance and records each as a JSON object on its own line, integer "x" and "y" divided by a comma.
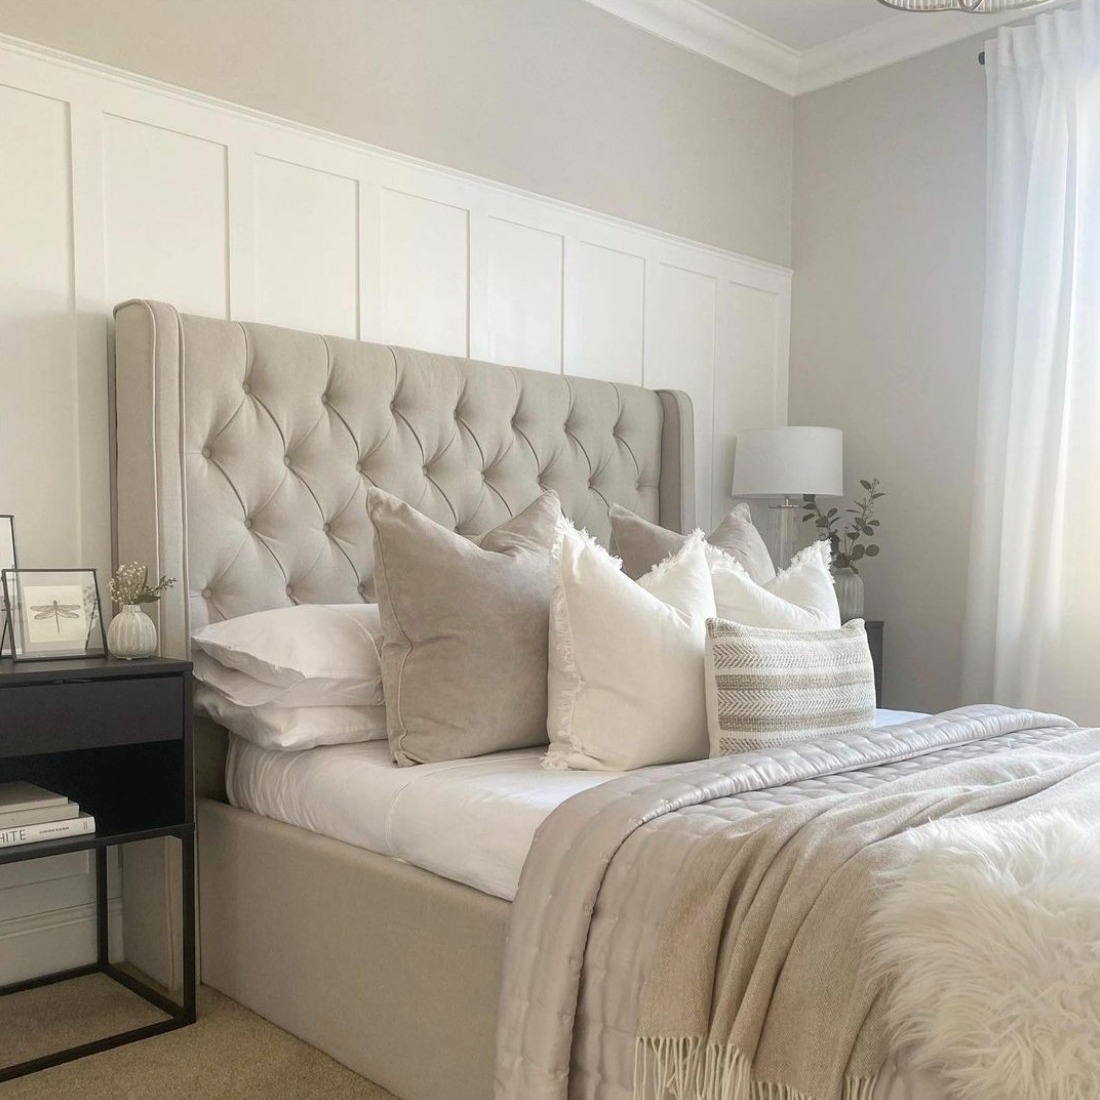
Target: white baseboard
{"x": 31, "y": 946}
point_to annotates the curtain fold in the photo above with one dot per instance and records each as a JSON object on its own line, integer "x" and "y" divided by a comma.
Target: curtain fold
{"x": 1033, "y": 610}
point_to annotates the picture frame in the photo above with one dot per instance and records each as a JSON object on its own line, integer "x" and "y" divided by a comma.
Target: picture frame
{"x": 8, "y": 560}
{"x": 54, "y": 614}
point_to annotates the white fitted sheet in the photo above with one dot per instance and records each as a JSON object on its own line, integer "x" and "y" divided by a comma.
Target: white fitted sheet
{"x": 472, "y": 821}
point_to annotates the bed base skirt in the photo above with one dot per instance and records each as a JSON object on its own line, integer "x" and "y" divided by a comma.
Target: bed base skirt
{"x": 393, "y": 971}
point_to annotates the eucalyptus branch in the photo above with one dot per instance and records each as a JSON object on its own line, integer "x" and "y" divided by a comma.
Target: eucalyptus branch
{"x": 847, "y": 531}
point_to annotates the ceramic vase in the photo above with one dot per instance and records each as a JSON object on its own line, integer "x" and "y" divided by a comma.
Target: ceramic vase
{"x": 849, "y": 594}
{"x": 132, "y": 634}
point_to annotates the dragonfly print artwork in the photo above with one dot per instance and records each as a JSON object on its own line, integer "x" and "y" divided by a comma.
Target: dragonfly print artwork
{"x": 56, "y": 616}
{"x": 57, "y": 611}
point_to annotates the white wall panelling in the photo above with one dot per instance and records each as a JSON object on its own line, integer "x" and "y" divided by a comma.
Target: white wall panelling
{"x": 425, "y": 272}
{"x": 165, "y": 216}
{"x": 306, "y": 250}
{"x": 526, "y": 271}
{"x": 113, "y": 186}
{"x": 605, "y": 312}
{"x": 116, "y": 186}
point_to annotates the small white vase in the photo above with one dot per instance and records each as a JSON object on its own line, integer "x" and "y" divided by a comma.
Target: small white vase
{"x": 849, "y": 594}
{"x": 132, "y": 634}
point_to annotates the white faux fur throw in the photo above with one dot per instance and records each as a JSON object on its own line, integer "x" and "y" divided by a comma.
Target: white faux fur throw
{"x": 989, "y": 940}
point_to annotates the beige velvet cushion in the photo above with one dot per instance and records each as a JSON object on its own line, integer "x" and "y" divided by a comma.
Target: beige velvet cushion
{"x": 466, "y": 626}
{"x": 642, "y": 544}
{"x": 768, "y": 688}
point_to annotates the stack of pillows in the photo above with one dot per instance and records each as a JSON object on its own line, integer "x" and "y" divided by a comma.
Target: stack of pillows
{"x": 680, "y": 648}
{"x": 294, "y": 677}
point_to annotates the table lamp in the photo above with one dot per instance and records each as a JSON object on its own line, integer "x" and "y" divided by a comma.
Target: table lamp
{"x": 788, "y": 462}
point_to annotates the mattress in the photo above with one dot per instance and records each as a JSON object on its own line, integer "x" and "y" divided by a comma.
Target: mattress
{"x": 471, "y": 821}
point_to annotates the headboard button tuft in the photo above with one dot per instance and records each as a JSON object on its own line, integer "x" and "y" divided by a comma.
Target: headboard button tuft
{"x": 248, "y": 524}
{"x": 286, "y": 460}
{"x": 206, "y": 593}
{"x": 324, "y": 399}
{"x": 327, "y": 528}
{"x": 247, "y": 388}
{"x": 206, "y": 452}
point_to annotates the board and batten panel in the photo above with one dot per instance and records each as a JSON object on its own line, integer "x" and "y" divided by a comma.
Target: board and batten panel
{"x": 38, "y": 394}
{"x": 306, "y": 248}
{"x": 604, "y": 313}
{"x": 751, "y": 390}
{"x": 424, "y": 269}
{"x": 680, "y": 355}
{"x": 165, "y": 217}
{"x": 525, "y": 296}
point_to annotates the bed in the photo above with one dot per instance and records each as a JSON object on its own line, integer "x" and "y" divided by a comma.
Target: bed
{"x": 243, "y": 453}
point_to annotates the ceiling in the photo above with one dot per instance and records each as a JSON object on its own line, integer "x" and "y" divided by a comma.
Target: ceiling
{"x": 803, "y": 25}
{"x": 801, "y": 45}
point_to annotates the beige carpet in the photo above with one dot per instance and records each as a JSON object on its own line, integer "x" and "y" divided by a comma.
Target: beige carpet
{"x": 230, "y": 1053}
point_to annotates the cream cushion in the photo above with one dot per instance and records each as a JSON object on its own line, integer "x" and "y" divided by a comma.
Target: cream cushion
{"x": 642, "y": 544}
{"x": 310, "y": 655}
{"x": 801, "y": 597}
{"x": 292, "y": 729}
{"x": 464, "y": 656}
{"x": 626, "y": 658}
{"x": 769, "y": 688}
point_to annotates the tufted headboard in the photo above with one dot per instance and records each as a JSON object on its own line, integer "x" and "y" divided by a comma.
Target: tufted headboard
{"x": 243, "y": 453}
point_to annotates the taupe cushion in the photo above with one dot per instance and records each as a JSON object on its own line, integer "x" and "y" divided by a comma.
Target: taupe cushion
{"x": 642, "y": 544}
{"x": 767, "y": 688}
{"x": 465, "y": 653}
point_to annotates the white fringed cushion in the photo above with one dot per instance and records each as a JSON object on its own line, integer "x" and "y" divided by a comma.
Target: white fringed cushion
{"x": 800, "y": 598}
{"x": 626, "y": 658}
{"x": 766, "y": 688}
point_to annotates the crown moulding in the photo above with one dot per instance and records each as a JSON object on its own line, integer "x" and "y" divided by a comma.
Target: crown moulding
{"x": 698, "y": 27}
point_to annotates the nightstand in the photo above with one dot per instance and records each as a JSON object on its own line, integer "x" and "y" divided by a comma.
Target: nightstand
{"x": 114, "y": 736}
{"x": 874, "y": 642}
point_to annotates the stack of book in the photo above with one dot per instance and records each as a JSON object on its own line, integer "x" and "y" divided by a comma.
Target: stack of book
{"x": 30, "y": 814}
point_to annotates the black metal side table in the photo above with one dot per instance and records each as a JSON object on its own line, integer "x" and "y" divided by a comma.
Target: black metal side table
{"x": 114, "y": 736}
{"x": 874, "y": 642}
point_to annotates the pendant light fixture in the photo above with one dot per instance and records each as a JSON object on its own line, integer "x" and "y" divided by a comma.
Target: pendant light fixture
{"x": 975, "y": 7}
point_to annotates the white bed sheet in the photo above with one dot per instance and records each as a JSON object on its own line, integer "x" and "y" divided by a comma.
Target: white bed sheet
{"x": 472, "y": 821}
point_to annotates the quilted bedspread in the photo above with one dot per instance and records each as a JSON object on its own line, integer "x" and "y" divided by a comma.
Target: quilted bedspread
{"x": 600, "y": 875}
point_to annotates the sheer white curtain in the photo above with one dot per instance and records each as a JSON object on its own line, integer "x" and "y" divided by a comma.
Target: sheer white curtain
{"x": 1033, "y": 614}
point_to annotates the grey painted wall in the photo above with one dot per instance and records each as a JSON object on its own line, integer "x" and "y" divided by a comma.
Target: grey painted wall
{"x": 554, "y": 96}
{"x": 889, "y": 213}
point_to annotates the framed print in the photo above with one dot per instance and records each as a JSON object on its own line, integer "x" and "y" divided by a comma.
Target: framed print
{"x": 8, "y": 560}
{"x": 54, "y": 613}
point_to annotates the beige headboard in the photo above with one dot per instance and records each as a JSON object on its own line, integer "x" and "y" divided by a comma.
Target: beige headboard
{"x": 243, "y": 453}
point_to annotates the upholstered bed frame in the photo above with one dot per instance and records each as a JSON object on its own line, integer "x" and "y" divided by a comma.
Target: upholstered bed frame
{"x": 242, "y": 457}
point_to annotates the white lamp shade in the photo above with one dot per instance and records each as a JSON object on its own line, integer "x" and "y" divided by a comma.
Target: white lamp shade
{"x": 781, "y": 462}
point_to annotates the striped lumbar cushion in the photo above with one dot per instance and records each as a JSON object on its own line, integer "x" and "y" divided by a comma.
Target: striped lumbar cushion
{"x": 772, "y": 687}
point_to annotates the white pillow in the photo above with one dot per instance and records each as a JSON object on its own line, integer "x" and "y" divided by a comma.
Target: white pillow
{"x": 626, "y": 676}
{"x": 800, "y": 598}
{"x": 309, "y": 655}
{"x": 293, "y": 728}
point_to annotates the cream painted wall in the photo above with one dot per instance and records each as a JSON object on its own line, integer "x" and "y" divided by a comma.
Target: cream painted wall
{"x": 554, "y": 96}
{"x": 889, "y": 212}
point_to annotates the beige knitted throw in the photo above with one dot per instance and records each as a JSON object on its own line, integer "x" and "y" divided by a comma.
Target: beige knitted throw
{"x": 757, "y": 989}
